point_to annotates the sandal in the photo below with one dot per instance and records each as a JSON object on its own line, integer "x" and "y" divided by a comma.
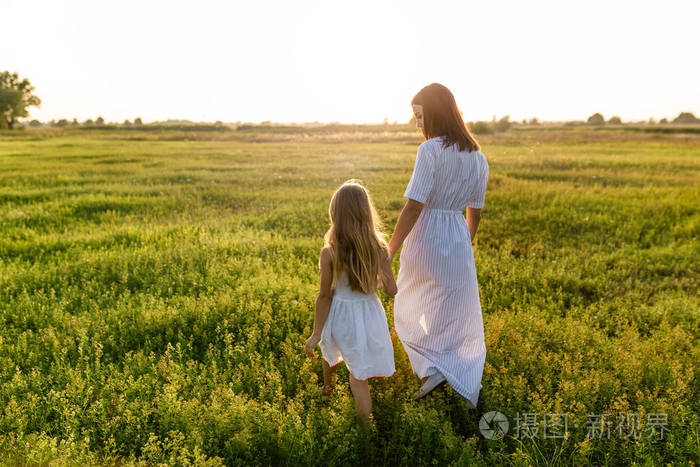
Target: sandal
{"x": 431, "y": 383}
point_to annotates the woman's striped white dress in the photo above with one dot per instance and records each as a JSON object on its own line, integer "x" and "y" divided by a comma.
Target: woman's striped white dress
{"x": 437, "y": 312}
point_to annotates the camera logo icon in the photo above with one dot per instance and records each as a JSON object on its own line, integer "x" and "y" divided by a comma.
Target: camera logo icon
{"x": 493, "y": 425}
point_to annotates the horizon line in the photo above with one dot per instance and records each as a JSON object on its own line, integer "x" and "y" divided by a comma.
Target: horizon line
{"x": 26, "y": 120}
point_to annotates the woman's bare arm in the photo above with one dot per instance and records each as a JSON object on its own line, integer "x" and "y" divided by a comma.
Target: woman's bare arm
{"x": 407, "y": 219}
{"x": 473, "y": 219}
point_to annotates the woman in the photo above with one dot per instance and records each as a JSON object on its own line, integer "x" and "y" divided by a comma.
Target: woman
{"x": 437, "y": 312}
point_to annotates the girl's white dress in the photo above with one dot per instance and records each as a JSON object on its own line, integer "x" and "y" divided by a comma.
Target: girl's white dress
{"x": 437, "y": 311}
{"x": 356, "y": 331}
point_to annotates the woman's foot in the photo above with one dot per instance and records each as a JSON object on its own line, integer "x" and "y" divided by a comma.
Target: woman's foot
{"x": 425, "y": 378}
{"x": 429, "y": 383}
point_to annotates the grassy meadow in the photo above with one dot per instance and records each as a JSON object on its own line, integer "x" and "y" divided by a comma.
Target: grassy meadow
{"x": 156, "y": 289}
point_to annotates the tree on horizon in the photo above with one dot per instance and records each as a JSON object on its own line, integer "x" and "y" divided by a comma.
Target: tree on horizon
{"x": 686, "y": 117}
{"x": 596, "y": 119}
{"x": 16, "y": 96}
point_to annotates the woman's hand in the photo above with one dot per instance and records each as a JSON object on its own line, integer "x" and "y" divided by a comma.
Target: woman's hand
{"x": 310, "y": 344}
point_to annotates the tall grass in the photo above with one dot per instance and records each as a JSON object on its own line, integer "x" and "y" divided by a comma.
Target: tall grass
{"x": 156, "y": 289}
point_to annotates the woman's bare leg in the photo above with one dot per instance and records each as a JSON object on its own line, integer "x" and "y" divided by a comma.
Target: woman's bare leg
{"x": 363, "y": 400}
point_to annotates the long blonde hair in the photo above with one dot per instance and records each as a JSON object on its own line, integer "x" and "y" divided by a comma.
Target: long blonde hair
{"x": 356, "y": 237}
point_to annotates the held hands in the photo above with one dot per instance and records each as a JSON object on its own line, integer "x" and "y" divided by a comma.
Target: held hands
{"x": 310, "y": 344}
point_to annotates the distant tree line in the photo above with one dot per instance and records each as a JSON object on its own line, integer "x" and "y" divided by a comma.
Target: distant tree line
{"x": 17, "y": 95}
{"x": 683, "y": 118}
{"x": 495, "y": 125}
{"x": 98, "y": 122}
{"x": 504, "y": 123}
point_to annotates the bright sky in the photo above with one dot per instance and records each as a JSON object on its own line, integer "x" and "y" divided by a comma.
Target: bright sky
{"x": 353, "y": 61}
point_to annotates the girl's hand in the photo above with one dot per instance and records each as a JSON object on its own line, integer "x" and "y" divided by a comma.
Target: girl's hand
{"x": 310, "y": 344}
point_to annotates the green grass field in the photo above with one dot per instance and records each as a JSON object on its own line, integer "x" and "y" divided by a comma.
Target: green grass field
{"x": 156, "y": 289}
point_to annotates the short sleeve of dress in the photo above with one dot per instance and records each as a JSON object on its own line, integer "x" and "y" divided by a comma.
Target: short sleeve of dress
{"x": 477, "y": 201}
{"x": 423, "y": 171}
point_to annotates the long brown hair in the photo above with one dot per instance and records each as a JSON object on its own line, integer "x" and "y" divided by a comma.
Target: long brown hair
{"x": 356, "y": 238}
{"x": 441, "y": 117}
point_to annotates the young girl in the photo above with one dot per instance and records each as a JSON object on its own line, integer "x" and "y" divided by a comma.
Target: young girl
{"x": 350, "y": 322}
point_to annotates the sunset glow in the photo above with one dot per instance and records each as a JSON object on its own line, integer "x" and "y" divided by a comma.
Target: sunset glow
{"x": 353, "y": 61}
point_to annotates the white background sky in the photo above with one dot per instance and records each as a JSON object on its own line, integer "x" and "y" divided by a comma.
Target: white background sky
{"x": 353, "y": 61}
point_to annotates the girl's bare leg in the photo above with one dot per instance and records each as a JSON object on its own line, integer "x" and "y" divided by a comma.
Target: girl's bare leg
{"x": 329, "y": 373}
{"x": 363, "y": 400}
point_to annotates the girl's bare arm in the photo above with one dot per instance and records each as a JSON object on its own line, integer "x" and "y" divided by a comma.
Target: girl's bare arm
{"x": 323, "y": 302}
{"x": 325, "y": 294}
{"x": 388, "y": 283}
